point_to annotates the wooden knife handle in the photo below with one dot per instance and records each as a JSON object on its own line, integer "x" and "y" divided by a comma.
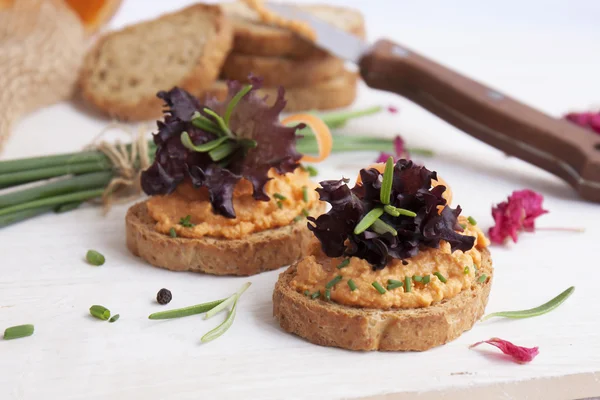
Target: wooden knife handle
{"x": 557, "y": 146}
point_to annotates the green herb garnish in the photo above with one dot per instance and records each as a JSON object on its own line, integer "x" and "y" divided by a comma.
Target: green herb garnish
{"x": 279, "y": 196}
{"x": 464, "y": 226}
{"x": 94, "y": 258}
{"x": 186, "y": 311}
{"x": 379, "y": 288}
{"x": 279, "y": 204}
{"x": 17, "y": 332}
{"x": 351, "y": 285}
{"x": 344, "y": 263}
{"x": 417, "y": 278}
{"x": 393, "y": 284}
{"x": 298, "y": 218}
{"x": 396, "y": 212}
{"x": 333, "y": 282}
{"x": 114, "y": 318}
{"x": 426, "y": 279}
{"x": 234, "y": 102}
{"x": 172, "y": 233}
{"x": 100, "y": 312}
{"x": 230, "y": 300}
{"x": 224, "y": 326}
{"x": 472, "y": 220}
{"x": 315, "y": 294}
{"x": 312, "y": 171}
{"x": 186, "y": 140}
{"x": 305, "y": 194}
{"x": 466, "y": 270}
{"x": 534, "y": 312}
{"x": 186, "y": 221}
{"x": 368, "y": 220}
{"x": 482, "y": 278}
{"x": 328, "y": 294}
{"x": 407, "y": 284}
{"x": 381, "y": 228}
{"x": 388, "y": 178}
{"x": 305, "y": 212}
{"x": 220, "y": 122}
{"x": 306, "y": 292}
{"x": 440, "y": 277}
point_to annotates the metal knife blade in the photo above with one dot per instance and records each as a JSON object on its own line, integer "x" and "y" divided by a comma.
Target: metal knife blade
{"x": 329, "y": 38}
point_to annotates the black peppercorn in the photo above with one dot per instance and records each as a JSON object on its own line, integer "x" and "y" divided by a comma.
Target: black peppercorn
{"x": 404, "y": 262}
{"x": 164, "y": 296}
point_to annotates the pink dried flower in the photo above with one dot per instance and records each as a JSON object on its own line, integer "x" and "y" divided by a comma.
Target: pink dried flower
{"x": 518, "y": 353}
{"x": 399, "y": 149}
{"x": 383, "y": 157}
{"x": 589, "y": 120}
{"x": 399, "y": 146}
{"x": 516, "y": 214}
{"x": 392, "y": 109}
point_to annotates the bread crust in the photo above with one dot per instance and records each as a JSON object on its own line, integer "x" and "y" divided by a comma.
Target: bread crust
{"x": 258, "y": 252}
{"x": 335, "y": 93}
{"x": 330, "y": 324}
{"x": 199, "y": 78}
{"x": 277, "y": 71}
{"x": 257, "y": 39}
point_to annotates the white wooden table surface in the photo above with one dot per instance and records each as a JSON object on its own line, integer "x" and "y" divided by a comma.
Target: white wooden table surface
{"x": 542, "y": 52}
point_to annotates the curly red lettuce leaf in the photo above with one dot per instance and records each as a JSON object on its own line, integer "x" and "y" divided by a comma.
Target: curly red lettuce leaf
{"x": 411, "y": 190}
{"x": 251, "y": 119}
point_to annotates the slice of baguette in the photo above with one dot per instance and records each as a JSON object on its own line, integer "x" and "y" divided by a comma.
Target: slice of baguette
{"x": 277, "y": 71}
{"x": 418, "y": 329}
{"x": 258, "y": 252}
{"x": 334, "y": 93}
{"x": 126, "y": 68}
{"x": 256, "y": 38}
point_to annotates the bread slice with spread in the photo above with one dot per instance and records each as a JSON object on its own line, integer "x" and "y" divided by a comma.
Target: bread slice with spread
{"x": 394, "y": 267}
{"x": 228, "y": 193}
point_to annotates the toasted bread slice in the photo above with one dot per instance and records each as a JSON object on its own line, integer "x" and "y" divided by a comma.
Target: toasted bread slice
{"x": 125, "y": 69}
{"x": 256, "y": 38}
{"x": 258, "y": 252}
{"x": 279, "y": 71}
{"x": 418, "y": 329}
{"x": 334, "y": 93}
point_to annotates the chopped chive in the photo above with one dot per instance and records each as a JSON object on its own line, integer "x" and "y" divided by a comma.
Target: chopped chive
{"x": 351, "y": 285}
{"x": 279, "y": 204}
{"x": 417, "y": 278}
{"x": 114, "y": 318}
{"x": 344, "y": 263}
{"x": 386, "y": 185}
{"x": 186, "y": 311}
{"x": 333, "y": 282}
{"x": 381, "y": 228}
{"x": 426, "y": 279}
{"x": 279, "y": 196}
{"x": 472, "y": 220}
{"x": 391, "y": 210}
{"x": 466, "y": 270}
{"x": 297, "y": 218}
{"x": 100, "y": 312}
{"x": 368, "y": 220}
{"x": 407, "y": 284}
{"x": 172, "y": 233}
{"x": 440, "y": 277}
{"x": 220, "y": 122}
{"x": 95, "y": 258}
{"x": 312, "y": 171}
{"x": 234, "y": 102}
{"x": 305, "y": 194}
{"x": 17, "y": 332}
{"x": 464, "y": 226}
{"x": 186, "y": 221}
{"x": 482, "y": 278}
{"x": 315, "y": 294}
{"x": 394, "y": 284}
{"x": 378, "y": 286}
{"x": 475, "y": 268}
{"x": 306, "y": 292}
{"x": 305, "y": 212}
{"x": 223, "y": 151}
{"x": 327, "y": 294}
{"x": 186, "y": 140}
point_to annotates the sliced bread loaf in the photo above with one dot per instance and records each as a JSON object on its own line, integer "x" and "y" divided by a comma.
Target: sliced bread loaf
{"x": 126, "y": 68}
{"x": 279, "y": 71}
{"x": 256, "y": 38}
{"x": 334, "y": 93}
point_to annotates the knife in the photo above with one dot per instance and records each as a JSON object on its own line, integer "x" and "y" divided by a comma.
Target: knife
{"x": 557, "y": 146}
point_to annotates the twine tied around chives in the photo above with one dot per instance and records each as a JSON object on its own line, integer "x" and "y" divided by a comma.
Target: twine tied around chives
{"x": 129, "y": 161}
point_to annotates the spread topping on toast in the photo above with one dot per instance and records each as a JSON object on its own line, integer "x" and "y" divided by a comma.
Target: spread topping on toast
{"x": 388, "y": 216}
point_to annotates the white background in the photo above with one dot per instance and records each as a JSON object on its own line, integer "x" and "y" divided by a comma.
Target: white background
{"x": 542, "y": 52}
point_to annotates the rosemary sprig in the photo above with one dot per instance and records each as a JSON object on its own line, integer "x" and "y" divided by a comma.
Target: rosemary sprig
{"x": 536, "y": 311}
